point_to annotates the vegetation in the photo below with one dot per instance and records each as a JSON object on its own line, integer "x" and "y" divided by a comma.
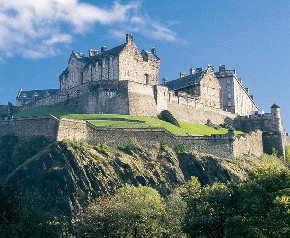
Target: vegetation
{"x": 56, "y": 110}
{"x": 76, "y": 189}
{"x": 256, "y": 208}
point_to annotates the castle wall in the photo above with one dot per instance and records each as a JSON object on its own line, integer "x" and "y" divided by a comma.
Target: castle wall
{"x": 220, "y": 145}
{"x": 249, "y": 144}
{"x": 80, "y": 130}
{"x": 271, "y": 126}
{"x": 192, "y": 110}
{"x": 141, "y": 100}
{"x": 54, "y": 129}
{"x": 26, "y": 128}
{"x": 107, "y": 97}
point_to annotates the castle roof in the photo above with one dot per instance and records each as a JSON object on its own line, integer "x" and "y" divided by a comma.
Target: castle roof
{"x": 275, "y": 106}
{"x": 185, "y": 81}
{"x": 112, "y": 52}
{"x": 38, "y": 93}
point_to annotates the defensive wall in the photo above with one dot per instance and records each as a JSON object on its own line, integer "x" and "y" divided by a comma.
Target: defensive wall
{"x": 220, "y": 145}
{"x": 26, "y": 128}
{"x": 57, "y": 130}
{"x": 270, "y": 124}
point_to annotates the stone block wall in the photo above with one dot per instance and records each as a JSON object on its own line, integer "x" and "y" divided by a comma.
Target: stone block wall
{"x": 26, "y": 128}
{"x": 272, "y": 128}
{"x": 220, "y": 145}
{"x": 249, "y": 144}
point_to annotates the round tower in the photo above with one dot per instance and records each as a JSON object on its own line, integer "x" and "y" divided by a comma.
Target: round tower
{"x": 275, "y": 110}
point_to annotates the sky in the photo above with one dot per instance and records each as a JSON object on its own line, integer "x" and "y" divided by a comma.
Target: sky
{"x": 38, "y": 36}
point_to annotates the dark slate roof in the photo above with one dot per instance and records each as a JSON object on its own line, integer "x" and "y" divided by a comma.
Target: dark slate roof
{"x": 149, "y": 55}
{"x": 185, "y": 81}
{"x": 112, "y": 52}
{"x": 275, "y": 106}
{"x": 41, "y": 93}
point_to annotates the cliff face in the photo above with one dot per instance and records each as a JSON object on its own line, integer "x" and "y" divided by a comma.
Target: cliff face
{"x": 71, "y": 174}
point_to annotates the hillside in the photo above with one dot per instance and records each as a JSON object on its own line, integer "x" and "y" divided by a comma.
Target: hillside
{"x": 71, "y": 174}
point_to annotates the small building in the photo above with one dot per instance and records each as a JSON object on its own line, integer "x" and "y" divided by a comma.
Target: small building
{"x": 201, "y": 84}
{"x": 26, "y": 97}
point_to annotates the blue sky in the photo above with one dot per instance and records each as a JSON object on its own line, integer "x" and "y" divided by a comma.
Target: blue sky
{"x": 37, "y": 37}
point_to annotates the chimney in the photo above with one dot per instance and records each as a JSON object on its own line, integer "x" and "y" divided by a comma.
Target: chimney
{"x": 198, "y": 70}
{"x": 182, "y": 74}
{"x": 153, "y": 51}
{"x": 129, "y": 38}
{"x": 164, "y": 81}
{"x": 103, "y": 49}
{"x": 247, "y": 90}
{"x": 222, "y": 69}
{"x": 91, "y": 53}
{"x": 192, "y": 71}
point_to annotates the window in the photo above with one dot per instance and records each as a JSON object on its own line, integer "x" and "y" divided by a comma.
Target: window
{"x": 103, "y": 63}
{"x": 111, "y": 60}
{"x": 147, "y": 79}
{"x": 96, "y": 66}
{"x": 229, "y": 103}
{"x": 229, "y": 95}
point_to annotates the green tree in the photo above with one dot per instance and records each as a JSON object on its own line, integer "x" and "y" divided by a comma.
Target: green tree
{"x": 131, "y": 212}
{"x": 257, "y": 208}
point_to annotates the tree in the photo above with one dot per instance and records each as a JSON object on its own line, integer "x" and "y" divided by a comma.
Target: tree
{"x": 259, "y": 207}
{"x": 131, "y": 212}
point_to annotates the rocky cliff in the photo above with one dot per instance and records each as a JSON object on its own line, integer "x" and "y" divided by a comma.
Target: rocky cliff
{"x": 71, "y": 174}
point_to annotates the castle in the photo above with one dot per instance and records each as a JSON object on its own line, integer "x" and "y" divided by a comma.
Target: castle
{"x": 123, "y": 80}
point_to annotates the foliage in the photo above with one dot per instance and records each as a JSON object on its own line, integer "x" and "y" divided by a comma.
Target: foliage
{"x": 288, "y": 154}
{"x": 132, "y": 212}
{"x": 24, "y": 216}
{"x": 257, "y": 208}
{"x": 28, "y": 150}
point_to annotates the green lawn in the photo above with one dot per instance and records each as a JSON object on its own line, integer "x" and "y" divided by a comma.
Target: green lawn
{"x": 114, "y": 120}
{"x": 57, "y": 111}
{"x": 128, "y": 121}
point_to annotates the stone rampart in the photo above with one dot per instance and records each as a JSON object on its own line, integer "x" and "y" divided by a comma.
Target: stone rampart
{"x": 54, "y": 129}
{"x": 272, "y": 128}
{"x": 249, "y": 144}
{"x": 220, "y": 145}
{"x": 26, "y": 128}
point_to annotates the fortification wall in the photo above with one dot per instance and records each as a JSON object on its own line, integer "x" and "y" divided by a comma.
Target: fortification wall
{"x": 220, "y": 145}
{"x": 54, "y": 129}
{"x": 141, "y": 99}
{"x": 189, "y": 109}
{"x": 95, "y": 97}
{"x": 272, "y": 128}
{"x": 26, "y": 128}
{"x": 249, "y": 144}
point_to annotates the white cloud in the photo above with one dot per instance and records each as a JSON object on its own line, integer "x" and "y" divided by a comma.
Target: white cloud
{"x": 38, "y": 28}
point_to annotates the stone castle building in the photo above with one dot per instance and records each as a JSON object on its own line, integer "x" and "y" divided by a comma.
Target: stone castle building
{"x": 123, "y": 80}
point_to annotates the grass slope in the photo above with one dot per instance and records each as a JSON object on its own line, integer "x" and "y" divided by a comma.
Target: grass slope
{"x": 127, "y": 121}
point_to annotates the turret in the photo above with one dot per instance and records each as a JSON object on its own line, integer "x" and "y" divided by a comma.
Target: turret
{"x": 275, "y": 110}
